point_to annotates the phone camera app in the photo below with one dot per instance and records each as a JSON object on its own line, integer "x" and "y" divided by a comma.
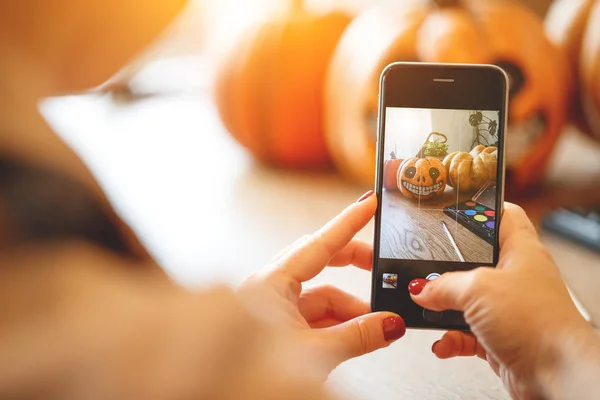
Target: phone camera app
{"x": 439, "y": 185}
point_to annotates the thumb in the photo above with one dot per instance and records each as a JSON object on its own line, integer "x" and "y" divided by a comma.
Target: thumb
{"x": 364, "y": 334}
{"x": 451, "y": 291}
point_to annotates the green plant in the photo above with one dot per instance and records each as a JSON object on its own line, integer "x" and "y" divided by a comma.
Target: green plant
{"x": 481, "y": 124}
{"x": 435, "y": 148}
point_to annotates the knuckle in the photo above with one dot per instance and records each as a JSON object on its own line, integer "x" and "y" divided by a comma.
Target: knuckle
{"x": 361, "y": 333}
{"x": 285, "y": 284}
{"x": 480, "y": 282}
{"x": 322, "y": 244}
{"x": 251, "y": 279}
{"x": 481, "y": 277}
{"x": 304, "y": 238}
{"x": 327, "y": 288}
{"x": 301, "y": 241}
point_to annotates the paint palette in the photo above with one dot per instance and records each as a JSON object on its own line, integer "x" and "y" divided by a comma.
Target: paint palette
{"x": 477, "y": 215}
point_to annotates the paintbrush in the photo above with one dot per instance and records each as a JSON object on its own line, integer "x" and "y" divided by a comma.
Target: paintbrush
{"x": 451, "y": 238}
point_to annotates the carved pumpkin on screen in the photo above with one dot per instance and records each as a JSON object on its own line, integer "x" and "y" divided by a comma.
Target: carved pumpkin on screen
{"x": 269, "y": 86}
{"x": 422, "y": 178}
{"x": 500, "y": 32}
{"x": 470, "y": 171}
{"x": 390, "y": 172}
{"x": 574, "y": 25}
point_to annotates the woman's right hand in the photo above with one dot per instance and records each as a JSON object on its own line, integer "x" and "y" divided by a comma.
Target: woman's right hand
{"x": 522, "y": 318}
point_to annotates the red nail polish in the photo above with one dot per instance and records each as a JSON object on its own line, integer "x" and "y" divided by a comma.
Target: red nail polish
{"x": 365, "y": 196}
{"x": 415, "y": 287}
{"x": 393, "y": 328}
{"x": 433, "y": 347}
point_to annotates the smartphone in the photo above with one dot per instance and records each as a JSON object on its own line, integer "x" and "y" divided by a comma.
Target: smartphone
{"x": 440, "y": 180}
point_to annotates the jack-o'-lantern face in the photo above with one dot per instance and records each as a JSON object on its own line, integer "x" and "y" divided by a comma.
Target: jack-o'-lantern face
{"x": 422, "y": 178}
{"x": 501, "y": 32}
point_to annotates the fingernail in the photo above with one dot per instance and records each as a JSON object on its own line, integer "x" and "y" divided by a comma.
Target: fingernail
{"x": 433, "y": 347}
{"x": 365, "y": 196}
{"x": 393, "y": 328}
{"x": 415, "y": 287}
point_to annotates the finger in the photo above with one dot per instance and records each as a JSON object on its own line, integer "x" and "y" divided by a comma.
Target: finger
{"x": 324, "y": 323}
{"x": 451, "y": 291}
{"x": 289, "y": 248}
{"x": 515, "y": 226}
{"x": 494, "y": 365}
{"x": 313, "y": 255}
{"x": 357, "y": 253}
{"x": 363, "y": 335}
{"x": 329, "y": 302}
{"x": 458, "y": 344}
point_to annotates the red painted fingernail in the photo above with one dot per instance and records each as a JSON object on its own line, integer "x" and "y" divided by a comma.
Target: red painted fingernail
{"x": 365, "y": 196}
{"x": 393, "y": 328}
{"x": 433, "y": 347}
{"x": 415, "y": 287}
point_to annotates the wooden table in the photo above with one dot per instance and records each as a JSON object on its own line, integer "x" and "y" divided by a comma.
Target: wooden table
{"x": 209, "y": 213}
{"x": 412, "y": 229}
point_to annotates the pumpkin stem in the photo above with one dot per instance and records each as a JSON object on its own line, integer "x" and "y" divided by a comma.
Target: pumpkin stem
{"x": 446, "y": 3}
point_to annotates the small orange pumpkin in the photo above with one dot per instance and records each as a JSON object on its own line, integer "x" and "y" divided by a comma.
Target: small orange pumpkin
{"x": 574, "y": 26}
{"x": 501, "y": 32}
{"x": 422, "y": 178}
{"x": 390, "y": 172}
{"x": 470, "y": 171}
{"x": 269, "y": 87}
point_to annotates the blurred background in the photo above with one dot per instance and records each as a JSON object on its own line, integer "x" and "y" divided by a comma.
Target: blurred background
{"x": 249, "y": 123}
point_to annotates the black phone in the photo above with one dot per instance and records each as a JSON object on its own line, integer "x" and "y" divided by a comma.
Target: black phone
{"x": 440, "y": 180}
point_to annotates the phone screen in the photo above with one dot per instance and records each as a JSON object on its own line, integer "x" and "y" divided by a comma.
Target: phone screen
{"x": 439, "y": 182}
{"x": 431, "y": 213}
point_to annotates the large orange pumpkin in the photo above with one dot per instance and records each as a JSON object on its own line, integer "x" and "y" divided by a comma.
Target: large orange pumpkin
{"x": 501, "y": 32}
{"x": 575, "y": 26}
{"x": 269, "y": 86}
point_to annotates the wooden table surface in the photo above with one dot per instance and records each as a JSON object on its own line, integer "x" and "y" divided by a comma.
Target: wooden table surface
{"x": 209, "y": 213}
{"x": 412, "y": 229}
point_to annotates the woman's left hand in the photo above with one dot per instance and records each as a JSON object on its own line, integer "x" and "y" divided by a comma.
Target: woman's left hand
{"x": 337, "y": 325}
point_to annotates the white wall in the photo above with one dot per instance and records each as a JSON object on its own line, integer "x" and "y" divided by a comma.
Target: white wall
{"x": 455, "y": 125}
{"x": 408, "y": 128}
{"x": 405, "y": 130}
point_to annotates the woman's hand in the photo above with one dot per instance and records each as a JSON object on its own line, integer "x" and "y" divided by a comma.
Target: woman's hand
{"x": 339, "y": 325}
{"x": 522, "y": 318}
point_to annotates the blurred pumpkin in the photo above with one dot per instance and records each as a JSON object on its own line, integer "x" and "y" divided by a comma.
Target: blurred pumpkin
{"x": 269, "y": 86}
{"x": 470, "y": 171}
{"x": 422, "y": 178}
{"x": 390, "y": 171}
{"x": 500, "y": 32}
{"x": 81, "y": 44}
{"x": 574, "y": 25}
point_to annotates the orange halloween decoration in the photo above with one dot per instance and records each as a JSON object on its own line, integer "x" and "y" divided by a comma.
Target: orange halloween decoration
{"x": 501, "y": 32}
{"x": 575, "y": 26}
{"x": 81, "y": 44}
{"x": 269, "y": 87}
{"x": 470, "y": 171}
{"x": 390, "y": 171}
{"x": 422, "y": 178}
